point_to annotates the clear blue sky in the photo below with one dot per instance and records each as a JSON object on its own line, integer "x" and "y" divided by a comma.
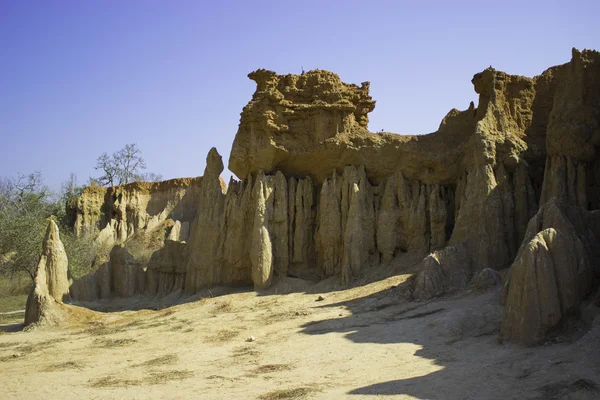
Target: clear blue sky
{"x": 79, "y": 78}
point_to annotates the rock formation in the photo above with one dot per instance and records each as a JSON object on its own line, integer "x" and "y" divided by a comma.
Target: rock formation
{"x": 166, "y": 270}
{"x": 124, "y": 276}
{"x": 292, "y": 112}
{"x": 573, "y": 134}
{"x": 51, "y": 285}
{"x": 321, "y": 196}
{"x": 180, "y": 231}
{"x": 376, "y": 195}
{"x": 203, "y": 258}
{"x": 119, "y": 212}
{"x": 464, "y": 194}
{"x": 554, "y": 269}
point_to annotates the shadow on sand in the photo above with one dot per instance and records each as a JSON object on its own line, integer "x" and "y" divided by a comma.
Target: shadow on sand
{"x": 459, "y": 334}
{"x": 156, "y": 303}
{"x": 12, "y": 327}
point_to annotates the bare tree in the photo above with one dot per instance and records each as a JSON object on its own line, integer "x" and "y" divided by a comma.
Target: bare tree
{"x": 70, "y": 188}
{"x": 105, "y": 164}
{"x": 152, "y": 177}
{"x": 122, "y": 167}
{"x": 23, "y": 194}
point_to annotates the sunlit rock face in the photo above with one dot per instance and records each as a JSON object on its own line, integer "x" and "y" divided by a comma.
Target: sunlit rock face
{"x": 119, "y": 212}
{"x": 320, "y": 196}
{"x": 51, "y": 285}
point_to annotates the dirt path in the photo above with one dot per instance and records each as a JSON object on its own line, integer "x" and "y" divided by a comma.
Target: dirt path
{"x": 360, "y": 343}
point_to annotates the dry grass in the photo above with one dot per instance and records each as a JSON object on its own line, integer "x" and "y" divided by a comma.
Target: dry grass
{"x": 283, "y": 394}
{"x": 133, "y": 324}
{"x": 102, "y": 330}
{"x": 181, "y": 324}
{"x": 112, "y": 381}
{"x": 50, "y": 343}
{"x": 99, "y": 329}
{"x": 287, "y": 315}
{"x": 12, "y": 303}
{"x": 157, "y": 324}
{"x": 114, "y": 342}
{"x": 64, "y": 366}
{"x": 220, "y": 377}
{"x": 222, "y": 336}
{"x": 11, "y": 357}
{"x": 224, "y": 306}
{"x": 266, "y": 302}
{"x": 167, "y": 359}
{"x": 11, "y": 319}
{"x": 159, "y": 378}
{"x": 165, "y": 313}
{"x": 178, "y": 327}
{"x": 7, "y": 344}
{"x": 270, "y": 368}
{"x": 245, "y": 351}
{"x": 153, "y": 378}
{"x": 28, "y": 348}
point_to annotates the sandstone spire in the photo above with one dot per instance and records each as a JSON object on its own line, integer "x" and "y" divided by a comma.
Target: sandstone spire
{"x": 51, "y": 285}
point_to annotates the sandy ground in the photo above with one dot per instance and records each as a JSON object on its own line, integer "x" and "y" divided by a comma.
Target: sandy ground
{"x": 360, "y": 343}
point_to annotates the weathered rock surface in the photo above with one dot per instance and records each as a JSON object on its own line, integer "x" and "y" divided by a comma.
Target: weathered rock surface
{"x": 444, "y": 271}
{"x": 261, "y": 249}
{"x": 121, "y": 211}
{"x": 557, "y": 264}
{"x": 51, "y": 285}
{"x": 125, "y": 273}
{"x": 180, "y": 231}
{"x": 298, "y": 112}
{"x": 203, "y": 259}
{"x": 121, "y": 276}
{"x": 314, "y": 124}
{"x": 474, "y": 184}
{"x": 554, "y": 269}
{"x": 250, "y": 232}
{"x": 166, "y": 270}
{"x": 487, "y": 279}
{"x": 573, "y": 134}
{"x": 321, "y": 196}
{"x": 534, "y": 304}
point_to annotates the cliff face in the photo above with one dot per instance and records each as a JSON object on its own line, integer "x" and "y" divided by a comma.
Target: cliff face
{"x": 322, "y": 196}
{"x": 474, "y": 183}
{"x": 572, "y": 165}
{"x": 121, "y": 211}
{"x": 464, "y": 194}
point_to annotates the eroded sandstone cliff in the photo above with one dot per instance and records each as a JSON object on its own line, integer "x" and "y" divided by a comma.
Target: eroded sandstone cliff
{"x": 119, "y": 212}
{"x": 321, "y": 196}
